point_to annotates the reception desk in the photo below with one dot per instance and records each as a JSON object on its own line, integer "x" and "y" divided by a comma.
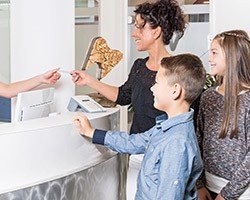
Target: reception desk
{"x": 47, "y": 158}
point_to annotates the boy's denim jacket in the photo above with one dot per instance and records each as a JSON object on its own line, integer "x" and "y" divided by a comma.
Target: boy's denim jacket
{"x": 172, "y": 161}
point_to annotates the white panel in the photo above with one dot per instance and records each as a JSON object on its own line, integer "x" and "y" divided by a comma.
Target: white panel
{"x": 229, "y": 14}
{"x": 41, "y": 150}
{"x": 195, "y": 42}
{"x": 42, "y": 38}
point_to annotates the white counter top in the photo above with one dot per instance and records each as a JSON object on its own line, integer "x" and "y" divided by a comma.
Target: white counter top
{"x": 56, "y": 120}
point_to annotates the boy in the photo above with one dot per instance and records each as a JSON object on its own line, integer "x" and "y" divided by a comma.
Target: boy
{"x": 172, "y": 162}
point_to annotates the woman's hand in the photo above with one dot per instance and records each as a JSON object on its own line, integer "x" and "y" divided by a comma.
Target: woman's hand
{"x": 80, "y": 77}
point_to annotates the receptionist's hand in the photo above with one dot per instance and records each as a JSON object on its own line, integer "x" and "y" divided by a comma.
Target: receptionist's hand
{"x": 82, "y": 122}
{"x": 50, "y": 77}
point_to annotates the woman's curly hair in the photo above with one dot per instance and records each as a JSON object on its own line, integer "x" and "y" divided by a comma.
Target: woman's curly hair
{"x": 164, "y": 13}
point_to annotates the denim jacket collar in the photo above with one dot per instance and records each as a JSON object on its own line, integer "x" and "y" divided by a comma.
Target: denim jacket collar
{"x": 162, "y": 121}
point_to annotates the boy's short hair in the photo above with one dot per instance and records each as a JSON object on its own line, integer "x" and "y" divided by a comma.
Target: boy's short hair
{"x": 188, "y": 71}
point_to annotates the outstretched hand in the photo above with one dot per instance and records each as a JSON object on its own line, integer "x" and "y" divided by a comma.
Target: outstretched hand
{"x": 51, "y": 77}
{"x": 82, "y": 122}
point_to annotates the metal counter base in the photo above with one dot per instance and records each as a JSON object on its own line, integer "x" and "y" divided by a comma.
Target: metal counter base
{"x": 99, "y": 182}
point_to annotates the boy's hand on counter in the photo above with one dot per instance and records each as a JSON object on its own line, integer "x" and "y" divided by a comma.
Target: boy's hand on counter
{"x": 82, "y": 122}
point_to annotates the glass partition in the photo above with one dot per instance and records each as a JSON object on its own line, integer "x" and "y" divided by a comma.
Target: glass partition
{"x": 86, "y": 28}
{"x": 86, "y": 3}
{"x": 5, "y": 104}
{"x": 5, "y": 41}
{"x": 181, "y": 2}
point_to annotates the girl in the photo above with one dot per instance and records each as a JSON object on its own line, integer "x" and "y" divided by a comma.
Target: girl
{"x": 224, "y": 120}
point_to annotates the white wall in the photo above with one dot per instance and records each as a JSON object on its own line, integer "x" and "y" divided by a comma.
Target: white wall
{"x": 229, "y": 14}
{"x": 42, "y": 38}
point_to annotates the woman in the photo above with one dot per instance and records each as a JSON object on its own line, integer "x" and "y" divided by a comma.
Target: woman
{"x": 155, "y": 24}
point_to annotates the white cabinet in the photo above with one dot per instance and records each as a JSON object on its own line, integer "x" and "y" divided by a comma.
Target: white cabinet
{"x": 48, "y": 156}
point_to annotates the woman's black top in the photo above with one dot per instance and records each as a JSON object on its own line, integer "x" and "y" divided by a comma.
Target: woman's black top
{"x": 136, "y": 91}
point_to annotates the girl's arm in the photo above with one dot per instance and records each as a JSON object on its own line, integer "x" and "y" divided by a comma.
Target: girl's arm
{"x": 241, "y": 178}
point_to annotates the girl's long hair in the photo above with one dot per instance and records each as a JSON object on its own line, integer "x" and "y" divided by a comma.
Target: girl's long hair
{"x": 236, "y": 46}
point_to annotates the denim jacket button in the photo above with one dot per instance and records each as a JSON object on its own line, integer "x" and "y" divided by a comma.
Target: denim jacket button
{"x": 176, "y": 182}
